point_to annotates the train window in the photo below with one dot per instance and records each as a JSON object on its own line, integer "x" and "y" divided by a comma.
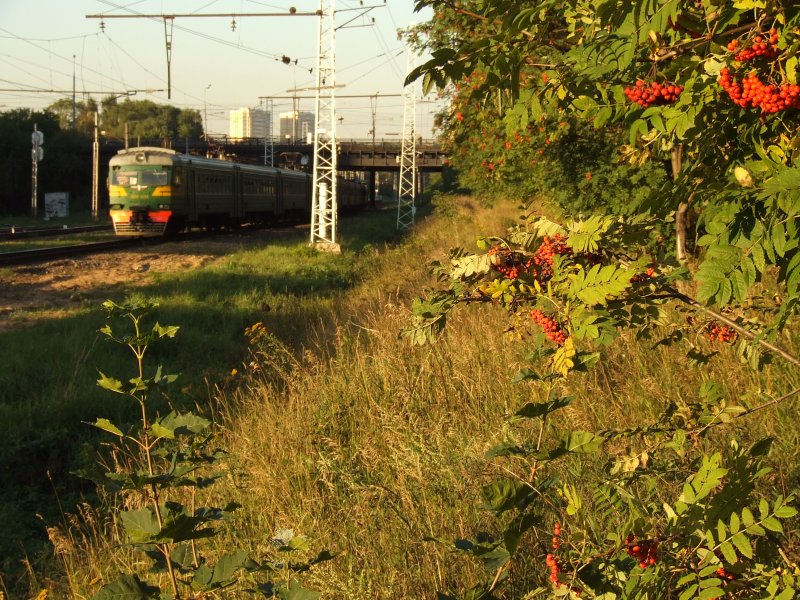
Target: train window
{"x": 155, "y": 177}
{"x": 124, "y": 178}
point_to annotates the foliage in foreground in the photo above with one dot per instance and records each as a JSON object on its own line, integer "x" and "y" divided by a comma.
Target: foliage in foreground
{"x": 676, "y": 514}
{"x": 712, "y": 87}
{"x": 163, "y": 466}
{"x": 728, "y": 127}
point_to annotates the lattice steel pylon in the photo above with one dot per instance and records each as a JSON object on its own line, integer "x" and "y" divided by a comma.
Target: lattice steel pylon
{"x": 323, "y": 199}
{"x": 407, "y": 189}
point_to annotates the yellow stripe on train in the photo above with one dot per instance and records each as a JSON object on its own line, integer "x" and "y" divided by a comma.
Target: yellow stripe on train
{"x": 162, "y": 191}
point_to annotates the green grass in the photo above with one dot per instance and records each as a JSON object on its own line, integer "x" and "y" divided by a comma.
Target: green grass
{"x": 76, "y": 218}
{"x": 47, "y": 386}
{"x": 52, "y": 242}
{"x": 336, "y": 427}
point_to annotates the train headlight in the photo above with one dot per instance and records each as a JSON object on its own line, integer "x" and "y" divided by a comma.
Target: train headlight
{"x": 163, "y": 206}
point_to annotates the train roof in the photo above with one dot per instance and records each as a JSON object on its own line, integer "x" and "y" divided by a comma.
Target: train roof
{"x": 151, "y": 155}
{"x": 143, "y": 155}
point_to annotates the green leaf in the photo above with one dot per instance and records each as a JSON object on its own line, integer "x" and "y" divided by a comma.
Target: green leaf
{"x": 729, "y": 553}
{"x": 772, "y": 524}
{"x": 747, "y": 517}
{"x": 743, "y": 545}
{"x": 126, "y": 587}
{"x": 504, "y": 494}
{"x": 296, "y": 591}
{"x": 711, "y": 592}
{"x": 141, "y": 525}
{"x": 735, "y": 523}
{"x": 539, "y": 409}
{"x": 222, "y": 573}
{"x": 108, "y": 426}
{"x": 165, "y": 331}
{"x": 600, "y": 284}
{"x": 582, "y": 442}
{"x": 109, "y": 383}
{"x": 158, "y": 430}
{"x": 496, "y": 558}
{"x": 183, "y": 423}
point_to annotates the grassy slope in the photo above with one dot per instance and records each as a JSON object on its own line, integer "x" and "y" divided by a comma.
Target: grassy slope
{"x": 341, "y": 431}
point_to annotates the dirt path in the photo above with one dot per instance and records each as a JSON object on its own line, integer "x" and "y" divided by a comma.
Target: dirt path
{"x": 49, "y": 290}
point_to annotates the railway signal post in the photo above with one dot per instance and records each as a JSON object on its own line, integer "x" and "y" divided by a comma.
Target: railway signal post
{"x": 37, "y": 154}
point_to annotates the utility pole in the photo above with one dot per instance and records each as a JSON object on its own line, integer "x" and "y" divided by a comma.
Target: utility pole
{"x": 205, "y": 115}
{"x": 74, "y": 118}
{"x": 95, "y": 172}
{"x": 323, "y": 199}
{"x": 269, "y": 148}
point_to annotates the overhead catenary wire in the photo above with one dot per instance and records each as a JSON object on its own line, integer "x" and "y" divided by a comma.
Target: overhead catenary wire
{"x": 109, "y": 61}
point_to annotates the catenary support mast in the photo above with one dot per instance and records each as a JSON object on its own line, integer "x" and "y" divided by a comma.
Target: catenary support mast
{"x": 323, "y": 202}
{"x": 407, "y": 188}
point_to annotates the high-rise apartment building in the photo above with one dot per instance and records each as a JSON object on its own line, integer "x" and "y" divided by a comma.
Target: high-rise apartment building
{"x": 295, "y": 125}
{"x": 249, "y": 123}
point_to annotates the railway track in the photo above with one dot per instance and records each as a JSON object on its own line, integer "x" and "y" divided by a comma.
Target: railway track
{"x": 18, "y": 233}
{"x": 44, "y": 254}
{"x": 55, "y": 252}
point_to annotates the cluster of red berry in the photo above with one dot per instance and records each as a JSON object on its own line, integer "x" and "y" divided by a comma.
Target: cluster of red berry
{"x": 550, "y": 326}
{"x": 639, "y": 277}
{"x": 551, "y": 560}
{"x": 718, "y": 332}
{"x": 752, "y": 92}
{"x": 645, "y": 552}
{"x": 645, "y": 94}
{"x": 502, "y": 263}
{"x": 723, "y": 573}
{"x": 543, "y": 257}
{"x": 766, "y": 47}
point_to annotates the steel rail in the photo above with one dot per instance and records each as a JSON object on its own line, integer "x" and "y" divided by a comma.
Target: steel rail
{"x": 18, "y": 233}
{"x": 53, "y": 253}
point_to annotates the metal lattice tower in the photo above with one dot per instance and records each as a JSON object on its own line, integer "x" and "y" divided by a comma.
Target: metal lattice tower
{"x": 323, "y": 202}
{"x": 407, "y": 190}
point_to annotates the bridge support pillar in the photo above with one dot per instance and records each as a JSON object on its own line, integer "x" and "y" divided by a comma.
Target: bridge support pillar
{"x": 372, "y": 176}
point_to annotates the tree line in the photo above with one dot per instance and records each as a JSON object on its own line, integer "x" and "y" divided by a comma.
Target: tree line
{"x": 69, "y": 133}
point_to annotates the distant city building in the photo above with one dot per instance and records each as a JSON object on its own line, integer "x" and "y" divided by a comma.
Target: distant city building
{"x": 296, "y": 126}
{"x": 249, "y": 123}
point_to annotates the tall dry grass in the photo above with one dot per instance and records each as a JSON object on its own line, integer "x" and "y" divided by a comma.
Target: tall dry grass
{"x": 370, "y": 446}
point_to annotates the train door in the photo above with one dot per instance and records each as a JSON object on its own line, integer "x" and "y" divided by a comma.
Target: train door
{"x": 191, "y": 185}
{"x": 238, "y": 201}
{"x": 280, "y": 207}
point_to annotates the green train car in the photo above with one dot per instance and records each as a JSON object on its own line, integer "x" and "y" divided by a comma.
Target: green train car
{"x": 156, "y": 191}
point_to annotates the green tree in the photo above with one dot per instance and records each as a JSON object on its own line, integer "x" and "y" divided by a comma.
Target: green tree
{"x": 84, "y": 114}
{"x": 65, "y": 168}
{"x": 710, "y": 87}
{"x": 733, "y": 146}
{"x": 149, "y": 120}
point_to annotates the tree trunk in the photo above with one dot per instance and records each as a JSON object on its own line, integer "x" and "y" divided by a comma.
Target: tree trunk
{"x": 681, "y": 215}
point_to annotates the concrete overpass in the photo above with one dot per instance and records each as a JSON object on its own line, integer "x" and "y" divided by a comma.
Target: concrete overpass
{"x": 354, "y": 155}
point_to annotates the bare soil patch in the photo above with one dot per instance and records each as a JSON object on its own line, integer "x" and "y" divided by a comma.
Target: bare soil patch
{"x": 52, "y": 289}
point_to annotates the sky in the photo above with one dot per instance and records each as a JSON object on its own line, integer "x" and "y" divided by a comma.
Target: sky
{"x": 217, "y": 63}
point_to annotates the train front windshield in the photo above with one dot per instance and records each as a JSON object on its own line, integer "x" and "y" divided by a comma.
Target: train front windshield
{"x": 140, "y": 177}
